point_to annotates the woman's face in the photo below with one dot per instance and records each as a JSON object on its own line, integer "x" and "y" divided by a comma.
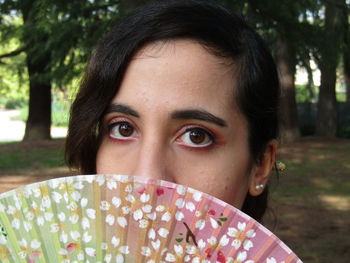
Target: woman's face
{"x": 174, "y": 118}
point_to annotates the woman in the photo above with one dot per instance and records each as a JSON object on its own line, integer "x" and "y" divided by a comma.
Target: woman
{"x": 182, "y": 91}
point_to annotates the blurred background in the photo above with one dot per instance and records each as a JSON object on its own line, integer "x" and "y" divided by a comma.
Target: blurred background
{"x": 44, "y": 46}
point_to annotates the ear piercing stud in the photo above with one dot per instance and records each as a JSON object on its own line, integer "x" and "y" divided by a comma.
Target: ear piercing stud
{"x": 259, "y": 186}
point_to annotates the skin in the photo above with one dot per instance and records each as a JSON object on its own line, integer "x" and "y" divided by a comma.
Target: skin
{"x": 174, "y": 118}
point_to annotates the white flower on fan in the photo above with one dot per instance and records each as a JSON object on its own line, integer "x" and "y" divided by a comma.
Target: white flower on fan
{"x": 76, "y": 196}
{"x": 179, "y": 215}
{"x": 181, "y": 190}
{"x": 64, "y": 237}
{"x": 200, "y": 224}
{"x": 146, "y": 251}
{"x": 128, "y": 188}
{"x": 170, "y": 257}
{"x": 272, "y": 260}
{"x": 78, "y": 185}
{"x": 180, "y": 203}
{"x": 72, "y": 206}
{"x": 83, "y": 202}
{"x": 122, "y": 221}
{"x": 86, "y": 237}
{"x": 16, "y": 223}
{"x": 54, "y": 228}
{"x": 156, "y": 244}
{"x": 90, "y": 251}
{"x": 27, "y": 226}
{"x": 2, "y": 208}
{"x": 107, "y": 258}
{"x": 74, "y": 218}
{"x": 138, "y": 214}
{"x": 166, "y": 217}
{"x": 212, "y": 240}
{"x": 110, "y": 219}
{"x": 45, "y": 201}
{"x": 143, "y": 223}
{"x": 163, "y": 232}
{"x": 130, "y": 198}
{"x": 144, "y": 198}
{"x": 197, "y": 196}
{"x": 85, "y": 223}
{"x": 191, "y": 250}
{"x": 111, "y": 183}
{"x": 224, "y": 241}
{"x": 40, "y": 220}
{"x": 62, "y": 217}
{"x": 29, "y": 216}
{"x": 75, "y": 235}
{"x": 100, "y": 179}
{"x": 116, "y": 201}
{"x": 126, "y": 210}
{"x": 91, "y": 213}
{"x": 11, "y": 210}
{"x": 241, "y": 258}
{"x": 34, "y": 244}
{"x": 201, "y": 244}
{"x": 105, "y": 205}
{"x": 160, "y": 208}
{"x": 122, "y": 249}
{"x": 56, "y": 196}
{"x": 178, "y": 250}
{"x": 241, "y": 236}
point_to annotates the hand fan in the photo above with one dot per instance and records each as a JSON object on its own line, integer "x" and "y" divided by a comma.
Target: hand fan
{"x": 119, "y": 218}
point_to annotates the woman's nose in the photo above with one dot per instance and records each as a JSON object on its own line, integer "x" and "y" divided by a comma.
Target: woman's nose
{"x": 152, "y": 161}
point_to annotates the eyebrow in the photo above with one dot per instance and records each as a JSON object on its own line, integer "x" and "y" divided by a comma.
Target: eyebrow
{"x": 186, "y": 114}
{"x": 121, "y": 108}
{"x": 198, "y": 115}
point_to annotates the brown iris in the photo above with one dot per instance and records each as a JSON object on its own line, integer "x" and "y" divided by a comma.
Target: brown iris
{"x": 197, "y": 136}
{"x": 125, "y": 129}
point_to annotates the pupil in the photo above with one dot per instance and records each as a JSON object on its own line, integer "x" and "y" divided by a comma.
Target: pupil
{"x": 197, "y": 136}
{"x": 125, "y": 130}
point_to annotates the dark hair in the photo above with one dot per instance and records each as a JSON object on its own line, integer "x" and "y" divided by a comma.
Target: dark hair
{"x": 222, "y": 32}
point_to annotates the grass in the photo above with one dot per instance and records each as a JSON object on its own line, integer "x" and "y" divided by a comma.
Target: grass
{"x": 16, "y": 157}
{"x": 312, "y": 200}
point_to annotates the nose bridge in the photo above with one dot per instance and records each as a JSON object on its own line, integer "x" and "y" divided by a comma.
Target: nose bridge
{"x": 151, "y": 157}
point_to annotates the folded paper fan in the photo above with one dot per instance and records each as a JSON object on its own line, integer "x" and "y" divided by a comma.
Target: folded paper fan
{"x": 119, "y": 218}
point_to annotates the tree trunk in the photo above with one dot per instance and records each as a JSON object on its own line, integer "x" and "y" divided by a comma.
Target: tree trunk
{"x": 285, "y": 58}
{"x": 346, "y": 55}
{"x": 326, "y": 120}
{"x": 38, "y": 64}
{"x": 310, "y": 80}
{"x": 39, "y": 117}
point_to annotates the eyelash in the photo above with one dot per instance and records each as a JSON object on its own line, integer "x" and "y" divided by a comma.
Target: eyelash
{"x": 186, "y": 129}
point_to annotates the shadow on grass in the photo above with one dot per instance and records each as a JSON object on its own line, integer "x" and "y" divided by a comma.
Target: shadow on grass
{"x": 312, "y": 200}
{"x": 26, "y": 157}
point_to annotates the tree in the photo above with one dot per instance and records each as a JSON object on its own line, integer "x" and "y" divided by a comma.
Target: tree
{"x": 56, "y": 36}
{"x": 346, "y": 52}
{"x": 280, "y": 21}
{"x": 326, "y": 120}
{"x": 38, "y": 65}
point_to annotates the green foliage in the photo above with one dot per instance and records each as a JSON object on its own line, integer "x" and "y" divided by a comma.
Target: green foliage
{"x": 302, "y": 93}
{"x": 60, "y": 114}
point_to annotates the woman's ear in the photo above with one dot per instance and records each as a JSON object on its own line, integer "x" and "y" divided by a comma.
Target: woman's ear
{"x": 260, "y": 173}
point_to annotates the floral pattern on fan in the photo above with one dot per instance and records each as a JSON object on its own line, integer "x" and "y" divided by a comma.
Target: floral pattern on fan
{"x": 119, "y": 218}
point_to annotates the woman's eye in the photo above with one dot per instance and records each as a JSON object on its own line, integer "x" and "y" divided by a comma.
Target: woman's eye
{"x": 121, "y": 130}
{"x": 197, "y": 137}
